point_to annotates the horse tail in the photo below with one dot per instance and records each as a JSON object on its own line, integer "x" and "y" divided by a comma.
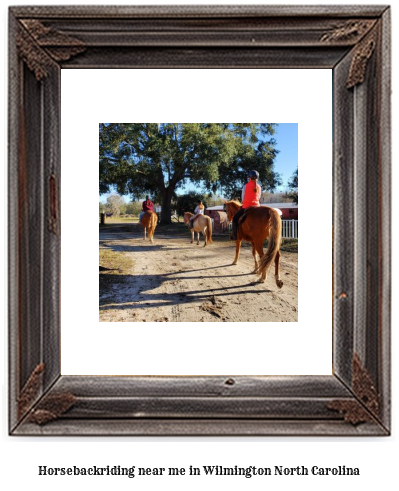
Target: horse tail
{"x": 274, "y": 243}
{"x": 154, "y": 220}
{"x": 209, "y": 230}
{"x": 152, "y": 224}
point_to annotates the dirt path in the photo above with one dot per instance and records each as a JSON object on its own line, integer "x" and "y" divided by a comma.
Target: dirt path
{"x": 175, "y": 281}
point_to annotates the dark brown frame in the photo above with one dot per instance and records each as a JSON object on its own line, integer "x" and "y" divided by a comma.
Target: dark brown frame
{"x": 353, "y": 41}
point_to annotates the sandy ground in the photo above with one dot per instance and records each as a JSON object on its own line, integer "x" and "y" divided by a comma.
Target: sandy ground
{"x": 173, "y": 280}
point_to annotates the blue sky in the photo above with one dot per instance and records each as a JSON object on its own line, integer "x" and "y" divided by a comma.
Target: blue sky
{"x": 287, "y": 142}
{"x": 286, "y": 162}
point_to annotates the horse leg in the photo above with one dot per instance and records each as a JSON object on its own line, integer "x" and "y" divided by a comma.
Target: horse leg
{"x": 254, "y": 255}
{"x": 204, "y": 234}
{"x": 192, "y": 236}
{"x": 259, "y": 250}
{"x": 279, "y": 283}
{"x": 198, "y": 234}
{"x": 238, "y": 248}
{"x": 145, "y": 233}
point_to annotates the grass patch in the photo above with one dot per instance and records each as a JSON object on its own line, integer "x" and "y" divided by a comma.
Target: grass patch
{"x": 111, "y": 220}
{"x": 113, "y": 268}
{"x": 289, "y": 245}
{"x": 114, "y": 262}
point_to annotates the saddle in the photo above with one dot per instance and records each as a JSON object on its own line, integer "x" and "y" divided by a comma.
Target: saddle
{"x": 245, "y": 215}
{"x": 194, "y": 219}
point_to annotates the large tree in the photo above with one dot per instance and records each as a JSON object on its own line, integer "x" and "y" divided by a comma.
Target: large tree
{"x": 158, "y": 158}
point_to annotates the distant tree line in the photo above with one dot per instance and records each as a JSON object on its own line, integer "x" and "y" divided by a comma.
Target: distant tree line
{"x": 116, "y": 206}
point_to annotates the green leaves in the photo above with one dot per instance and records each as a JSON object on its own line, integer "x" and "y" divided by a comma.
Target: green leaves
{"x": 293, "y": 187}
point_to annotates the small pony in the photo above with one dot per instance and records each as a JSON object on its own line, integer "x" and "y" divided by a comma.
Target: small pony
{"x": 201, "y": 224}
{"x": 149, "y": 222}
{"x": 258, "y": 224}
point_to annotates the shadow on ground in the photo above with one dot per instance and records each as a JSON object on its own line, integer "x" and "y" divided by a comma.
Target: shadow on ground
{"x": 131, "y": 292}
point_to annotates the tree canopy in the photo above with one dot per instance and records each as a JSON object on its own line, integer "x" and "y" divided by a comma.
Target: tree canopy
{"x": 159, "y": 158}
{"x": 115, "y": 205}
{"x": 293, "y": 187}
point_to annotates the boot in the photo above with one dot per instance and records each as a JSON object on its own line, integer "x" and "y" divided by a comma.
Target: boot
{"x": 233, "y": 235}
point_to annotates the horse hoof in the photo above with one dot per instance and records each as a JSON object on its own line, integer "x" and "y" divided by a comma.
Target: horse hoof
{"x": 279, "y": 283}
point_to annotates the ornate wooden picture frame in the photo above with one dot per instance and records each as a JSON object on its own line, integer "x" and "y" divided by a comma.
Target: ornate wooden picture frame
{"x": 352, "y": 41}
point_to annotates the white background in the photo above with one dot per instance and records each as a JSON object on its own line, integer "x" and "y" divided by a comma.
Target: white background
{"x": 376, "y": 457}
{"x": 108, "y": 348}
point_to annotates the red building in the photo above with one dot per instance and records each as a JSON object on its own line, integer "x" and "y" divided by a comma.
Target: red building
{"x": 219, "y": 218}
{"x": 289, "y": 211}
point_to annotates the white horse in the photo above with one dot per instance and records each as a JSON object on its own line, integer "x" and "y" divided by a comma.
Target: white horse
{"x": 201, "y": 224}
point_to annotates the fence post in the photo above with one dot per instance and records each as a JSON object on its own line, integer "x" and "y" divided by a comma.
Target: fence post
{"x": 289, "y": 229}
{"x": 102, "y": 218}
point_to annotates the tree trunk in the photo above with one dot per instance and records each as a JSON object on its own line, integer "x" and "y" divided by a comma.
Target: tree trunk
{"x": 166, "y": 212}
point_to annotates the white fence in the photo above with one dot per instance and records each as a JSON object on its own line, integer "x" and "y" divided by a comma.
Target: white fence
{"x": 290, "y": 229}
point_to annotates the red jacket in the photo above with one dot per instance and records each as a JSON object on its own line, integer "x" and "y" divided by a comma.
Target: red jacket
{"x": 250, "y": 196}
{"x": 148, "y": 205}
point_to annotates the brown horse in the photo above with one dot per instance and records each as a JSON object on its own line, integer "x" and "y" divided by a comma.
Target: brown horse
{"x": 260, "y": 223}
{"x": 149, "y": 222}
{"x": 202, "y": 224}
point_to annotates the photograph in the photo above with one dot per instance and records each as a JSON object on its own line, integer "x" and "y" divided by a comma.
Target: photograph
{"x": 198, "y": 222}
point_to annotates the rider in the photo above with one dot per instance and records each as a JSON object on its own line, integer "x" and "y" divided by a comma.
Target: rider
{"x": 199, "y": 210}
{"x": 146, "y": 205}
{"x": 250, "y": 196}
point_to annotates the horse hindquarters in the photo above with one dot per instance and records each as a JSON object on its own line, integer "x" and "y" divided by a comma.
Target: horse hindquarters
{"x": 208, "y": 231}
{"x": 151, "y": 227}
{"x": 273, "y": 250}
